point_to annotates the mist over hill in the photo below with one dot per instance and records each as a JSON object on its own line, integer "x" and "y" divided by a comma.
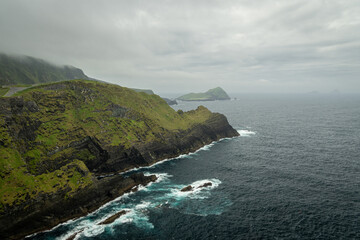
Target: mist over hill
{"x": 29, "y": 70}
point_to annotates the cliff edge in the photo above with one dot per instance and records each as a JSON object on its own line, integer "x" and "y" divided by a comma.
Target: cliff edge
{"x": 56, "y": 139}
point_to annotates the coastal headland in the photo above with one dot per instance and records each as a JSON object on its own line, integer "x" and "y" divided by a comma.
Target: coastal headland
{"x": 57, "y": 140}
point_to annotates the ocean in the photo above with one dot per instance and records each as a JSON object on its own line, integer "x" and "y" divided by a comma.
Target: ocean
{"x": 294, "y": 173}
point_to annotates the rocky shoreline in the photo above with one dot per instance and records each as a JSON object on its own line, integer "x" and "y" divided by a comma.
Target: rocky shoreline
{"x": 43, "y": 215}
{"x": 50, "y": 210}
{"x": 57, "y": 164}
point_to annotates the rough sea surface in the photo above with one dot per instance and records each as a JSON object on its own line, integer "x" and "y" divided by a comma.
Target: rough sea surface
{"x": 294, "y": 173}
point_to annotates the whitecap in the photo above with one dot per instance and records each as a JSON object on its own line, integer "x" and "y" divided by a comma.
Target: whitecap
{"x": 206, "y": 147}
{"x": 142, "y": 205}
{"x": 94, "y": 230}
{"x": 160, "y": 176}
{"x": 77, "y": 231}
{"x": 246, "y": 133}
{"x": 138, "y": 216}
{"x": 214, "y": 183}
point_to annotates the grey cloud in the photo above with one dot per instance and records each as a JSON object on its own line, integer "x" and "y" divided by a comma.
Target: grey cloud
{"x": 183, "y": 46}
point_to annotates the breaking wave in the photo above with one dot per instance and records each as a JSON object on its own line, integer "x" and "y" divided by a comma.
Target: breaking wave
{"x": 246, "y": 133}
{"x": 161, "y": 195}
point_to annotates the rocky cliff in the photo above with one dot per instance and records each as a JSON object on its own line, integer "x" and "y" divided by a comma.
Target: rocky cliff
{"x": 55, "y": 139}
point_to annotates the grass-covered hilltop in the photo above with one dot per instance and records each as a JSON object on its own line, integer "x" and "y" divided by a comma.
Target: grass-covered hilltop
{"x": 211, "y": 95}
{"x": 55, "y": 139}
{"x": 15, "y": 70}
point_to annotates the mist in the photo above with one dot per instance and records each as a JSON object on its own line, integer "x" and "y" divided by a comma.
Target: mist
{"x": 186, "y": 46}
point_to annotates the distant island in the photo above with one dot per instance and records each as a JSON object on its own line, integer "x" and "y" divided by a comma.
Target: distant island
{"x": 211, "y": 95}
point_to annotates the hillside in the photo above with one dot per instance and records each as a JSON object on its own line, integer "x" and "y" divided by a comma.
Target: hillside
{"x": 28, "y": 70}
{"x": 148, "y": 91}
{"x": 56, "y": 138}
{"x": 211, "y": 95}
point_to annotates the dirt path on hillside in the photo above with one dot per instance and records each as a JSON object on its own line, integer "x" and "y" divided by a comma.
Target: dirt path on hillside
{"x": 14, "y": 90}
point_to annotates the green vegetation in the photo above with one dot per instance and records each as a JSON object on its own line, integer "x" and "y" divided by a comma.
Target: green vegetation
{"x": 3, "y": 91}
{"x": 38, "y": 152}
{"x": 211, "y": 95}
{"x": 29, "y": 70}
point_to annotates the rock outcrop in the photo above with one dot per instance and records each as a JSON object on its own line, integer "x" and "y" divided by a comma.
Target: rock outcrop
{"x": 112, "y": 218}
{"x": 207, "y": 184}
{"x": 187, "y": 189}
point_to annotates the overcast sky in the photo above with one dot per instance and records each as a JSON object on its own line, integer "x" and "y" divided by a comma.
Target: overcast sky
{"x": 191, "y": 46}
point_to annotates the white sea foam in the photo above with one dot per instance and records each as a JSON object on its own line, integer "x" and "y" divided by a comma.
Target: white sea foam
{"x": 94, "y": 230}
{"x": 162, "y": 176}
{"x": 246, "y": 133}
{"x": 137, "y": 215}
{"x": 77, "y": 230}
{"x": 215, "y": 183}
{"x": 83, "y": 224}
{"x": 197, "y": 192}
{"x": 206, "y": 147}
{"x": 142, "y": 205}
{"x": 89, "y": 228}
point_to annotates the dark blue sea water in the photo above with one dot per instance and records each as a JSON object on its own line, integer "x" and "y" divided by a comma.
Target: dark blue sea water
{"x": 293, "y": 174}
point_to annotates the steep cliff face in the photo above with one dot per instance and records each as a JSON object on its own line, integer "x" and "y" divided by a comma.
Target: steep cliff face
{"x": 56, "y": 138}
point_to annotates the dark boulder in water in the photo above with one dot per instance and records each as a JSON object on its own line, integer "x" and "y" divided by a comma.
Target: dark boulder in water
{"x": 74, "y": 235}
{"x": 114, "y": 217}
{"x": 187, "y": 189}
{"x": 208, "y": 184}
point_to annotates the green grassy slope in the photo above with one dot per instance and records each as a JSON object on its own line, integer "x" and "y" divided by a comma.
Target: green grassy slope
{"x": 29, "y": 70}
{"x": 212, "y": 94}
{"x": 37, "y": 133}
{"x": 3, "y": 91}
